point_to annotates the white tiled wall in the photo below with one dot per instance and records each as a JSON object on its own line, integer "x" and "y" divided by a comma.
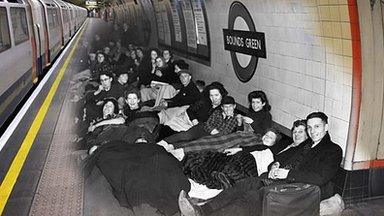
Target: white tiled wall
{"x": 309, "y": 59}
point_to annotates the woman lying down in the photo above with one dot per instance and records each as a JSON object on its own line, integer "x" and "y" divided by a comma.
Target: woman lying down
{"x": 238, "y": 164}
{"x": 218, "y": 170}
{"x": 142, "y": 172}
{"x": 221, "y": 170}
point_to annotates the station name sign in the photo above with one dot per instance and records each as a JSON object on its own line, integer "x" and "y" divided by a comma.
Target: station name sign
{"x": 246, "y": 42}
{"x": 90, "y": 3}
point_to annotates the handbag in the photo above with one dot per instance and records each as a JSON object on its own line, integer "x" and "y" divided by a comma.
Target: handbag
{"x": 291, "y": 200}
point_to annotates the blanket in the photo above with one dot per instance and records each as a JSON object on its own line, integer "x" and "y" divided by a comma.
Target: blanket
{"x": 142, "y": 173}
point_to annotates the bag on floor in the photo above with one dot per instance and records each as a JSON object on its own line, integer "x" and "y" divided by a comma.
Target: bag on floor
{"x": 291, "y": 199}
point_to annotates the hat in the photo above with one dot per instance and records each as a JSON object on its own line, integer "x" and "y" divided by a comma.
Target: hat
{"x": 181, "y": 64}
{"x": 228, "y": 100}
{"x": 123, "y": 69}
{"x": 184, "y": 71}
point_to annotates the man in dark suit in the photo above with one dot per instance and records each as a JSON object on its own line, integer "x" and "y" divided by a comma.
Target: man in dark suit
{"x": 317, "y": 162}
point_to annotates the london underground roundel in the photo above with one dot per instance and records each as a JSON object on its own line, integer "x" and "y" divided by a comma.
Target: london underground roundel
{"x": 250, "y": 42}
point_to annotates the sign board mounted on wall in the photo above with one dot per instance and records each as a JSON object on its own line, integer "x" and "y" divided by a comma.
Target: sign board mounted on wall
{"x": 247, "y": 42}
{"x": 90, "y": 3}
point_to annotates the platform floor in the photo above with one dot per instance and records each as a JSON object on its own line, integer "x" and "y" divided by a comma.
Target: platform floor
{"x": 51, "y": 181}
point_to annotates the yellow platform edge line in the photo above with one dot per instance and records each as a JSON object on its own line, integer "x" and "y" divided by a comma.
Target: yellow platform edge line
{"x": 18, "y": 162}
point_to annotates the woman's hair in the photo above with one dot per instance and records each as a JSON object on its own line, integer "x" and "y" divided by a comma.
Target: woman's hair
{"x": 133, "y": 91}
{"x": 138, "y": 48}
{"x": 181, "y": 64}
{"x": 163, "y": 60}
{"x": 263, "y": 98}
{"x": 200, "y": 83}
{"x": 99, "y": 52}
{"x": 215, "y": 85}
{"x": 155, "y": 50}
{"x": 106, "y": 58}
{"x": 275, "y": 131}
{"x": 115, "y": 103}
{"x": 300, "y": 122}
{"x": 170, "y": 53}
{"x": 147, "y": 55}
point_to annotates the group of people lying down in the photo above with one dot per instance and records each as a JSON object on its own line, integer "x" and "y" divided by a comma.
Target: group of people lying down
{"x": 211, "y": 173}
{"x": 161, "y": 138}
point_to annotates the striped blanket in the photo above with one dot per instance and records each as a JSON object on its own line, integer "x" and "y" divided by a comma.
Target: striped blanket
{"x": 220, "y": 142}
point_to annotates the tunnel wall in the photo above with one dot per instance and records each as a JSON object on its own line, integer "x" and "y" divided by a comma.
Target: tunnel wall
{"x": 370, "y": 140}
{"x": 309, "y": 63}
{"x": 309, "y": 59}
{"x": 315, "y": 49}
{"x": 138, "y": 15}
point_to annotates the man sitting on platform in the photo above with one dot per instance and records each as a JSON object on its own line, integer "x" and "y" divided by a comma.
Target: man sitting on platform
{"x": 188, "y": 94}
{"x": 106, "y": 89}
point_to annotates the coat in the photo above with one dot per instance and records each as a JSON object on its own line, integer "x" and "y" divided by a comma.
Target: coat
{"x": 318, "y": 166}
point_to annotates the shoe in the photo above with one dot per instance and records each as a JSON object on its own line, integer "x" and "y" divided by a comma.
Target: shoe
{"x": 187, "y": 208}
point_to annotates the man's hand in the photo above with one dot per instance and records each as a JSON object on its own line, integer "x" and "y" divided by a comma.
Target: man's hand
{"x": 281, "y": 173}
{"x": 214, "y": 131}
{"x": 158, "y": 73}
{"x": 232, "y": 151}
{"x": 247, "y": 120}
{"x": 195, "y": 122}
{"x": 101, "y": 88}
{"x": 239, "y": 119}
{"x": 164, "y": 103}
{"x": 274, "y": 167}
{"x": 91, "y": 128}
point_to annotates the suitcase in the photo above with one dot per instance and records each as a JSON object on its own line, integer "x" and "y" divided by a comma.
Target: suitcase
{"x": 291, "y": 200}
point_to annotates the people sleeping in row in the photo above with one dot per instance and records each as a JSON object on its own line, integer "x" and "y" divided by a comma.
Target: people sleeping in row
{"x": 230, "y": 176}
{"x": 158, "y": 136}
{"x": 314, "y": 161}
